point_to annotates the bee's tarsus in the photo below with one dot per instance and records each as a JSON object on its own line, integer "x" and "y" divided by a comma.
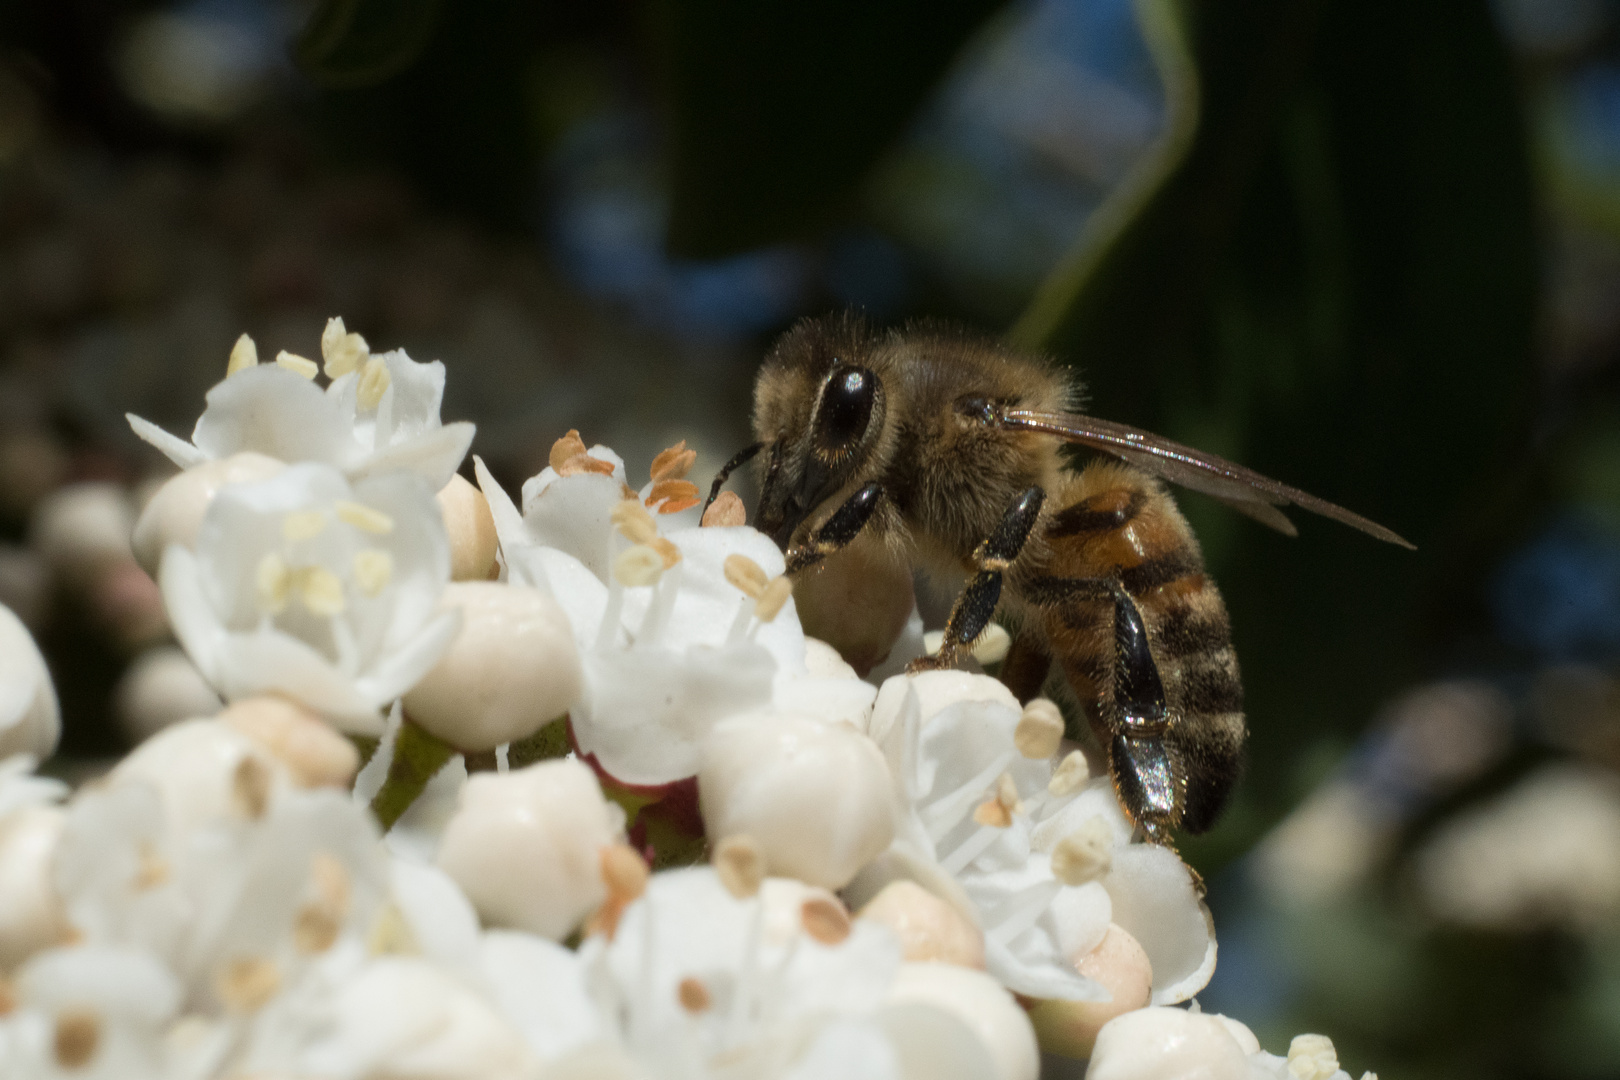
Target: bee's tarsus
{"x": 837, "y": 531}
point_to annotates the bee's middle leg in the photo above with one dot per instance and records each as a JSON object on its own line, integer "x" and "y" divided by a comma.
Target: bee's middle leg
{"x": 972, "y": 610}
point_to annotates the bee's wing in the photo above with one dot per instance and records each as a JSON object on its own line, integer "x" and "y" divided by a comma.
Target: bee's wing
{"x": 1242, "y": 489}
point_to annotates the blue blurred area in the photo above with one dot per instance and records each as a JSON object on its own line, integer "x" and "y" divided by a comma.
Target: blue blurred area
{"x": 1041, "y": 118}
{"x": 1559, "y": 597}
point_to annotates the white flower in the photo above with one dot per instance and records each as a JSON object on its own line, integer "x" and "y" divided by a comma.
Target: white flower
{"x": 30, "y": 722}
{"x": 781, "y": 984}
{"x": 526, "y": 846}
{"x": 175, "y": 512}
{"x": 235, "y": 907}
{"x": 1042, "y": 860}
{"x": 304, "y": 585}
{"x": 90, "y": 1013}
{"x": 815, "y": 796}
{"x": 512, "y": 668}
{"x": 379, "y": 417}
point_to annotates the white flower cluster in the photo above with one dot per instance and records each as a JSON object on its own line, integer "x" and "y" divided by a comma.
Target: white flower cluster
{"x": 890, "y": 865}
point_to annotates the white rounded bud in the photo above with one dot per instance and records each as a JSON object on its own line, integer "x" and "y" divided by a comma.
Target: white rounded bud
{"x": 512, "y": 669}
{"x": 30, "y": 721}
{"x": 472, "y": 530}
{"x": 161, "y": 687}
{"x": 174, "y": 514}
{"x": 31, "y": 916}
{"x": 815, "y": 797}
{"x": 1158, "y": 1042}
{"x": 82, "y": 529}
{"x": 981, "y": 1003}
{"x": 525, "y": 846}
{"x": 928, "y": 928}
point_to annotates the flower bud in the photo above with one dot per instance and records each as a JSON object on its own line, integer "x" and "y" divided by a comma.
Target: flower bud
{"x": 161, "y": 687}
{"x": 980, "y": 1002}
{"x": 31, "y": 915}
{"x": 472, "y": 530}
{"x": 1069, "y": 1028}
{"x": 30, "y": 722}
{"x": 860, "y": 602}
{"x": 175, "y": 513}
{"x": 1156, "y": 1042}
{"x": 312, "y": 752}
{"x": 815, "y": 797}
{"x": 512, "y": 668}
{"x": 928, "y": 927}
{"x": 82, "y": 529}
{"x": 525, "y": 846}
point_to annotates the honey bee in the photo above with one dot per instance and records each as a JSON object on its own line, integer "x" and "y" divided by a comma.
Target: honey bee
{"x": 944, "y": 450}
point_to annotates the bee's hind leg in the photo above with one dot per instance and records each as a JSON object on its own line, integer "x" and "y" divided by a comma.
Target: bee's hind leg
{"x": 837, "y": 531}
{"x": 972, "y": 611}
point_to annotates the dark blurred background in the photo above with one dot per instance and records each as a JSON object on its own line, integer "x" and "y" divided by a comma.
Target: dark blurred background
{"x": 1370, "y": 247}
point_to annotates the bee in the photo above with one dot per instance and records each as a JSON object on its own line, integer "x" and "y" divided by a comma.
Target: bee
{"x": 945, "y": 451}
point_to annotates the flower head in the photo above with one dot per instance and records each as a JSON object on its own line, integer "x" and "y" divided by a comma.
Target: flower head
{"x": 306, "y": 585}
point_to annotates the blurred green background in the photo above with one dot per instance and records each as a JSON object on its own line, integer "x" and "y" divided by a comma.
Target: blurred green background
{"x": 1371, "y": 248}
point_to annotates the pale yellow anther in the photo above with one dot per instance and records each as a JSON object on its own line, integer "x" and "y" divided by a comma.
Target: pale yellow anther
{"x": 1040, "y": 730}
{"x": 342, "y": 351}
{"x": 298, "y": 365}
{"x": 251, "y": 782}
{"x": 302, "y": 525}
{"x": 75, "y": 1038}
{"x": 1312, "y": 1057}
{"x": 1070, "y": 775}
{"x": 746, "y": 575}
{"x": 991, "y": 646}
{"x": 320, "y": 590}
{"x": 244, "y": 354}
{"x": 248, "y": 983}
{"x": 1084, "y": 855}
{"x": 271, "y": 581}
{"x": 998, "y": 812}
{"x": 374, "y": 380}
{"x": 365, "y": 518}
{"x": 638, "y": 565}
{"x": 740, "y": 865}
{"x": 373, "y": 570}
{"x": 623, "y": 870}
{"x": 770, "y": 601}
{"x": 693, "y": 995}
{"x": 666, "y": 549}
{"x": 391, "y": 934}
{"x": 633, "y": 521}
{"x": 151, "y": 869}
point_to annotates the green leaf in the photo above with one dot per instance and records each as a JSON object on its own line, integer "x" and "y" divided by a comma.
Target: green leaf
{"x": 364, "y": 42}
{"x": 1326, "y": 269}
{"x": 778, "y": 111}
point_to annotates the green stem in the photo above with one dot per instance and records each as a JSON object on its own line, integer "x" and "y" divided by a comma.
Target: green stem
{"x": 418, "y": 756}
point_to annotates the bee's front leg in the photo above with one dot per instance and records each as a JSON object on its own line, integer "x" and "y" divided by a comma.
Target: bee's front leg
{"x": 837, "y": 531}
{"x": 972, "y": 611}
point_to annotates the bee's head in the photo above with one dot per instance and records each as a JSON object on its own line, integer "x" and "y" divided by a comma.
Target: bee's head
{"x": 819, "y": 411}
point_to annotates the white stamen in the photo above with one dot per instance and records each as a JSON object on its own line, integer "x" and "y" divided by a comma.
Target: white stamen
{"x": 970, "y": 849}
{"x": 244, "y": 354}
{"x": 1019, "y": 912}
{"x": 373, "y": 570}
{"x": 365, "y": 518}
{"x": 374, "y": 381}
{"x": 944, "y": 814}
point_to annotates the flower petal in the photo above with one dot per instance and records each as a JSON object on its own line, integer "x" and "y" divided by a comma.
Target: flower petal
{"x": 173, "y": 447}
{"x": 1154, "y": 901}
{"x": 276, "y": 412}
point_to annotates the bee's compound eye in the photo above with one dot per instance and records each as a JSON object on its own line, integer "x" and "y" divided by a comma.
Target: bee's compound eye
{"x": 846, "y": 406}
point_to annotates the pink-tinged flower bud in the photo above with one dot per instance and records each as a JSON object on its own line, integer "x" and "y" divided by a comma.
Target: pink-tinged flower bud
{"x": 472, "y": 530}
{"x": 1069, "y": 1028}
{"x": 512, "y": 668}
{"x": 858, "y": 603}
{"x": 525, "y": 846}
{"x": 815, "y": 797}
{"x": 1157, "y": 1042}
{"x": 928, "y": 928}
{"x": 313, "y": 753}
{"x": 175, "y": 512}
